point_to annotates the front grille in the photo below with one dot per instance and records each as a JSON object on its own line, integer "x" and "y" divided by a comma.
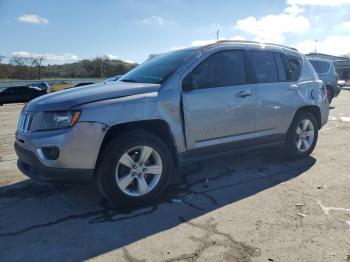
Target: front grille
{"x": 24, "y": 123}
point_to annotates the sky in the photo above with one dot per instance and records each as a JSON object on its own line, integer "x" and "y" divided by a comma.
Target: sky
{"x": 130, "y": 30}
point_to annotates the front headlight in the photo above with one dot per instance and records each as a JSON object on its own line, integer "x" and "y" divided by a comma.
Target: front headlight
{"x": 55, "y": 120}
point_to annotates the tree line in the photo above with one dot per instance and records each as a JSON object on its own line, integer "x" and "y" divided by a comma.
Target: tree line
{"x": 36, "y": 68}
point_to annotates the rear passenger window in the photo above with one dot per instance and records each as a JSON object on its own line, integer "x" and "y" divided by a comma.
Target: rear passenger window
{"x": 225, "y": 68}
{"x": 294, "y": 68}
{"x": 280, "y": 67}
{"x": 264, "y": 66}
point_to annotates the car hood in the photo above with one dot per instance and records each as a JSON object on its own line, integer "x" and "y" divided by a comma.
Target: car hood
{"x": 69, "y": 98}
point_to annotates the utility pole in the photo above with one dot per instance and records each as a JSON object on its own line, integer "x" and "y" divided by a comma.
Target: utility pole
{"x": 40, "y": 60}
{"x": 101, "y": 71}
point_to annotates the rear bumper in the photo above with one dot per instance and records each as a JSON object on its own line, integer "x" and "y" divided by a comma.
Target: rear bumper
{"x": 31, "y": 166}
{"x": 324, "y": 110}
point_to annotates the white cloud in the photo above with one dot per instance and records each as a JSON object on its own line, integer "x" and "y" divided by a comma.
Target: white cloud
{"x": 271, "y": 28}
{"x": 333, "y": 45}
{"x": 49, "y": 58}
{"x": 343, "y": 27}
{"x": 33, "y": 19}
{"x": 155, "y": 20}
{"x": 202, "y": 42}
{"x": 129, "y": 61}
{"x": 110, "y": 56}
{"x": 293, "y": 10}
{"x": 318, "y": 2}
{"x": 211, "y": 41}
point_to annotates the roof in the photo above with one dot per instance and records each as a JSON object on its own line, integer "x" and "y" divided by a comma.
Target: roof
{"x": 319, "y": 59}
{"x": 243, "y": 42}
{"x": 327, "y": 57}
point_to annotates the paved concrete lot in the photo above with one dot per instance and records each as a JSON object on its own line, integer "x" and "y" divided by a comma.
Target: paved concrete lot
{"x": 250, "y": 207}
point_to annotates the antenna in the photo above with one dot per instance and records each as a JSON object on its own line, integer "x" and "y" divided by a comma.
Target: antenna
{"x": 217, "y": 33}
{"x": 316, "y": 46}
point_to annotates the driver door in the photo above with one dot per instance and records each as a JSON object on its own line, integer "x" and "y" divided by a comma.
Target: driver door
{"x": 219, "y": 104}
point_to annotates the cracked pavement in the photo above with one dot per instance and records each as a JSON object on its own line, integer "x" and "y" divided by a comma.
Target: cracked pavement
{"x": 256, "y": 206}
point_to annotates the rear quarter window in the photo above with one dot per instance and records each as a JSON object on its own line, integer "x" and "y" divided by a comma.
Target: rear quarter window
{"x": 294, "y": 68}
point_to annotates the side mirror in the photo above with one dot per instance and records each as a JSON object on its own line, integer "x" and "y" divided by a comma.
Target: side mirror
{"x": 187, "y": 86}
{"x": 187, "y": 83}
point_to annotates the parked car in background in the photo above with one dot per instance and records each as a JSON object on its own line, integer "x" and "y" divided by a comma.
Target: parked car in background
{"x": 176, "y": 108}
{"x": 42, "y": 86}
{"x": 326, "y": 72}
{"x": 18, "y": 94}
{"x": 341, "y": 83}
{"x": 113, "y": 78}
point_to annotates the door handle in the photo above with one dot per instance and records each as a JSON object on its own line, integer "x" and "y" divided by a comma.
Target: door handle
{"x": 293, "y": 87}
{"x": 244, "y": 94}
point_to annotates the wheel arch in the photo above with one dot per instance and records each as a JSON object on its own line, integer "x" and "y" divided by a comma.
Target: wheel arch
{"x": 157, "y": 127}
{"x": 315, "y": 110}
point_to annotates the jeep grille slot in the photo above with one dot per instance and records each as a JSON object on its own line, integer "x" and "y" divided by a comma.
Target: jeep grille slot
{"x": 24, "y": 123}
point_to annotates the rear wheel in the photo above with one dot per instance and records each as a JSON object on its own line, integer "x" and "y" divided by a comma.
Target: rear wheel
{"x": 134, "y": 169}
{"x": 302, "y": 135}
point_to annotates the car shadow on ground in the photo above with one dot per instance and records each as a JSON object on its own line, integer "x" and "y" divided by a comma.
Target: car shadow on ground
{"x": 48, "y": 222}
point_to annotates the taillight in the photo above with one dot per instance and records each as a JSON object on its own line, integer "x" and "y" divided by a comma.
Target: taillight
{"x": 325, "y": 92}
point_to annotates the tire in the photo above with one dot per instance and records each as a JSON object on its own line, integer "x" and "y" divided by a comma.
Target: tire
{"x": 330, "y": 94}
{"x": 295, "y": 137}
{"x": 122, "y": 182}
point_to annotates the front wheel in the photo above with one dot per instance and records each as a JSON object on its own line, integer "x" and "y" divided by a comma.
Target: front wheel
{"x": 302, "y": 135}
{"x": 134, "y": 169}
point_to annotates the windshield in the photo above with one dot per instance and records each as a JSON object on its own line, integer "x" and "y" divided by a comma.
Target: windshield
{"x": 157, "y": 69}
{"x": 320, "y": 66}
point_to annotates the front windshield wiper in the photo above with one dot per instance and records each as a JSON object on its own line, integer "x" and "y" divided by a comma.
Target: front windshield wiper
{"x": 128, "y": 80}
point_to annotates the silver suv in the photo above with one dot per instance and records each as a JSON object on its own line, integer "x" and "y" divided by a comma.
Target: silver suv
{"x": 326, "y": 72}
{"x": 175, "y": 108}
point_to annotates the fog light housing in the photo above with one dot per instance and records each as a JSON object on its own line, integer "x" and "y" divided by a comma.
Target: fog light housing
{"x": 49, "y": 153}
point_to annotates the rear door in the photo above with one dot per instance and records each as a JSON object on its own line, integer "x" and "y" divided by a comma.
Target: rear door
{"x": 275, "y": 98}
{"x": 219, "y": 104}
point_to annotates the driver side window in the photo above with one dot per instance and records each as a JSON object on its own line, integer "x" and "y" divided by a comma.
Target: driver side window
{"x": 225, "y": 68}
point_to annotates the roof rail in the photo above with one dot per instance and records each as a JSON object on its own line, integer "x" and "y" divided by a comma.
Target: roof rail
{"x": 249, "y": 42}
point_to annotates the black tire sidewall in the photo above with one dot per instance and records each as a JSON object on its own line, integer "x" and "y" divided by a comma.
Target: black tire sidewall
{"x": 292, "y": 149}
{"x": 109, "y": 159}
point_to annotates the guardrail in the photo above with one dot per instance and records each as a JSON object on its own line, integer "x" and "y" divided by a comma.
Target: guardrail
{"x": 11, "y": 83}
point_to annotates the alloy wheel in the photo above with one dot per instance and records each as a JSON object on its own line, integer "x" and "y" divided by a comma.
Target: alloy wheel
{"x": 305, "y": 134}
{"x": 138, "y": 171}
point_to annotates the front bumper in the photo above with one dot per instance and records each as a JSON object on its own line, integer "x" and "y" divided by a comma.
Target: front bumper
{"x": 78, "y": 152}
{"x": 78, "y": 146}
{"x": 31, "y": 166}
